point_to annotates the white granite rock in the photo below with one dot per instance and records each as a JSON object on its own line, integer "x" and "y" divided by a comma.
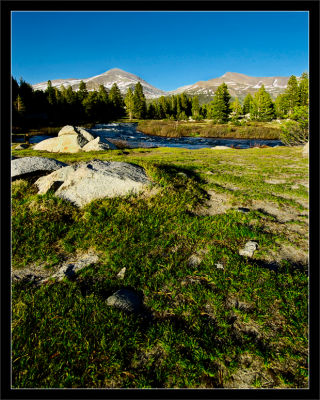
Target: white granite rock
{"x": 84, "y": 182}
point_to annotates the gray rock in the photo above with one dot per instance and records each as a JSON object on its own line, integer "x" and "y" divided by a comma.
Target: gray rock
{"x": 85, "y": 133}
{"x": 98, "y": 145}
{"x": 249, "y": 248}
{"x": 84, "y": 182}
{"x": 38, "y": 274}
{"x": 126, "y": 300}
{"x": 75, "y": 130}
{"x": 26, "y": 166}
{"x": 70, "y": 269}
{"x": 243, "y": 210}
{"x": 21, "y": 146}
{"x": 194, "y": 260}
{"x": 121, "y": 273}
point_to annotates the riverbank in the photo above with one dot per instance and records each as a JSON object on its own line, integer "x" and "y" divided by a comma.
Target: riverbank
{"x": 219, "y": 319}
{"x": 206, "y": 129}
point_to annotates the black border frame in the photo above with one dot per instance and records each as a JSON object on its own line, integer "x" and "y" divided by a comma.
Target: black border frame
{"x": 82, "y": 5}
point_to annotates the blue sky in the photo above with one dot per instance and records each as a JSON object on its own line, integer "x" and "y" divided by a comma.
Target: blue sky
{"x": 167, "y": 49}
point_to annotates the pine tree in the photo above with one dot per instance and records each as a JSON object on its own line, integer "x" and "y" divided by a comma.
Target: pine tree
{"x": 19, "y": 105}
{"x": 164, "y": 107}
{"x": 281, "y": 105}
{"x": 14, "y": 89}
{"x": 151, "y": 111}
{"x": 104, "y": 113}
{"x": 195, "y": 108}
{"x": 304, "y": 90}
{"x": 116, "y": 101}
{"x": 184, "y": 103}
{"x": 292, "y": 93}
{"x": 236, "y": 110}
{"x": 50, "y": 94}
{"x": 140, "y": 106}
{"x": 174, "y": 106}
{"x": 129, "y": 102}
{"x": 91, "y": 106}
{"x": 82, "y": 92}
{"x": 247, "y": 104}
{"x": 263, "y": 108}
{"x": 220, "y": 108}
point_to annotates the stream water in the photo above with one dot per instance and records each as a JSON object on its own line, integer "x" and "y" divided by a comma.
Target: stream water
{"x": 127, "y": 132}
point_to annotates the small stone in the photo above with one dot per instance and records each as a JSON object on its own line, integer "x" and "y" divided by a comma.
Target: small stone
{"x": 121, "y": 273}
{"x": 220, "y": 148}
{"x": 126, "y": 300}
{"x": 249, "y": 248}
{"x": 244, "y": 210}
{"x": 194, "y": 261}
{"x": 219, "y": 266}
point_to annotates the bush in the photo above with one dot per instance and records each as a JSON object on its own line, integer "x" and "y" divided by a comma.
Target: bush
{"x": 292, "y": 134}
{"x": 296, "y": 132}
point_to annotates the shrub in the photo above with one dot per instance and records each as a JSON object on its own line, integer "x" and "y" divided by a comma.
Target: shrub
{"x": 296, "y": 132}
{"x": 292, "y": 134}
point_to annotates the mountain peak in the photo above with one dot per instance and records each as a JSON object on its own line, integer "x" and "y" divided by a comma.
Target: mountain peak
{"x": 115, "y": 70}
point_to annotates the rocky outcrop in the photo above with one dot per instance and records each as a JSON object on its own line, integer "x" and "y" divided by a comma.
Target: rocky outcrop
{"x": 22, "y": 168}
{"x": 84, "y": 182}
{"x": 72, "y": 139}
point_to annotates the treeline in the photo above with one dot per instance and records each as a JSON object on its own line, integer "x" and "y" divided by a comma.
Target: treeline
{"x": 221, "y": 109}
{"x": 56, "y": 107}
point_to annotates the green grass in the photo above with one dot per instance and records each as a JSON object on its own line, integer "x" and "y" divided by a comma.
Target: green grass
{"x": 64, "y": 335}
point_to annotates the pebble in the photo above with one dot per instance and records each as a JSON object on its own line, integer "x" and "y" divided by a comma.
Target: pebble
{"x": 249, "y": 248}
{"x": 243, "y": 209}
{"x": 121, "y": 273}
{"x": 126, "y": 300}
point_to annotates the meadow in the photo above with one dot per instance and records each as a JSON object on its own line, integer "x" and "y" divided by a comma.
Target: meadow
{"x": 206, "y": 128}
{"x": 214, "y": 318}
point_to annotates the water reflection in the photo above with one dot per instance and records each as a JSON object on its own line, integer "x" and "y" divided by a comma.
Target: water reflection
{"x": 127, "y": 132}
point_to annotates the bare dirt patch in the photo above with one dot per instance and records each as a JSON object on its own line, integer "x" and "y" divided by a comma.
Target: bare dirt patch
{"x": 275, "y": 181}
{"x": 289, "y": 253}
{"x": 281, "y": 214}
{"x": 218, "y": 203}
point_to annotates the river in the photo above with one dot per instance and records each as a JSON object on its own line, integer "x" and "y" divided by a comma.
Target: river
{"x": 127, "y": 132}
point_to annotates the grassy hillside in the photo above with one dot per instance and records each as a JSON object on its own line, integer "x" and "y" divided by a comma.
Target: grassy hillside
{"x": 216, "y": 318}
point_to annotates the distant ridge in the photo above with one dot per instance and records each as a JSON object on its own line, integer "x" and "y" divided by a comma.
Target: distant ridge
{"x": 239, "y": 85}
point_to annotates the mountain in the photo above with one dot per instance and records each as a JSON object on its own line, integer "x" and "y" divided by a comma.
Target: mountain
{"x": 239, "y": 85}
{"x": 123, "y": 79}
